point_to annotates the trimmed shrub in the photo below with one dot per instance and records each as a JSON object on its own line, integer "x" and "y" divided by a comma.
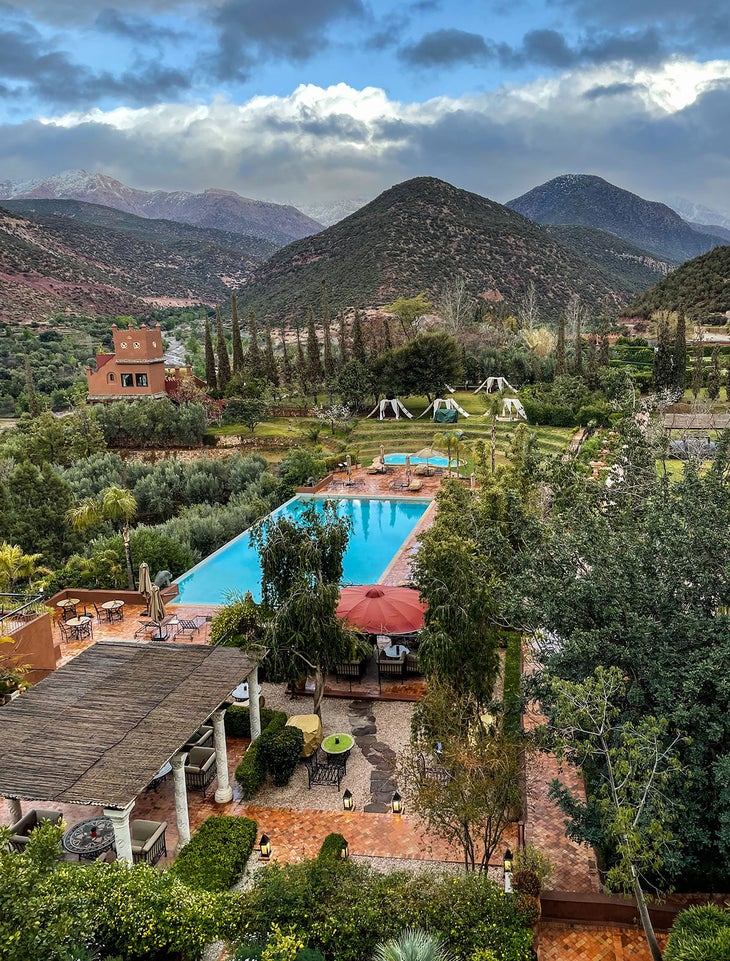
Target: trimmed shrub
{"x": 279, "y": 752}
{"x": 331, "y": 849}
{"x": 217, "y": 853}
{"x": 238, "y": 720}
{"x": 251, "y": 771}
{"x": 700, "y": 934}
{"x": 526, "y": 882}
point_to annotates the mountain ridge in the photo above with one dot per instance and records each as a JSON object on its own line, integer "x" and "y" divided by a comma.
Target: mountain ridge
{"x": 212, "y": 208}
{"x": 416, "y": 237}
{"x": 590, "y": 201}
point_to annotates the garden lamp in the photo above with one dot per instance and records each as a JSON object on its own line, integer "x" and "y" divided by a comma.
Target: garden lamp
{"x": 348, "y": 802}
{"x": 396, "y": 804}
{"x": 265, "y": 847}
{"x": 507, "y": 864}
{"x": 344, "y": 850}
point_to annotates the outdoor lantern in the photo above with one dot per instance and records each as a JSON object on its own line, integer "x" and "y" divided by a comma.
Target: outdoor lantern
{"x": 347, "y": 801}
{"x": 265, "y": 846}
{"x": 397, "y": 804}
{"x": 507, "y": 862}
{"x": 344, "y": 850}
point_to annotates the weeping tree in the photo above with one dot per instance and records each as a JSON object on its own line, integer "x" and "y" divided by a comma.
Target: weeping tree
{"x": 301, "y": 570}
{"x": 115, "y": 505}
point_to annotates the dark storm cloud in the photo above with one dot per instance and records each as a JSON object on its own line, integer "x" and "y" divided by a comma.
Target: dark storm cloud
{"x": 57, "y": 81}
{"x": 252, "y": 30}
{"x": 443, "y": 48}
{"x": 544, "y": 48}
{"x": 138, "y": 29}
{"x": 611, "y": 90}
{"x": 339, "y": 127}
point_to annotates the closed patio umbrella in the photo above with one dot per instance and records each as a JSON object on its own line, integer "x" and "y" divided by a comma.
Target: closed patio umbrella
{"x": 348, "y": 466}
{"x": 156, "y": 609}
{"x": 145, "y": 582}
{"x": 380, "y": 609}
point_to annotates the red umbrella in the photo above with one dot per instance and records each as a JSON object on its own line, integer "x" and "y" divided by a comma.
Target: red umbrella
{"x": 379, "y": 609}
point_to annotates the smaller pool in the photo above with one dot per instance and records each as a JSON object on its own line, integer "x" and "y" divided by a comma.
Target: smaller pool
{"x": 401, "y": 459}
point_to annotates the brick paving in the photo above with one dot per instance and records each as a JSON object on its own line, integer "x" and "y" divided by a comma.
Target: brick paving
{"x": 563, "y": 942}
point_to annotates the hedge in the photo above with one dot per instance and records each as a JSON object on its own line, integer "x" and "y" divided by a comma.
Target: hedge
{"x": 238, "y": 720}
{"x": 279, "y": 752}
{"x": 217, "y": 853}
{"x": 251, "y": 772}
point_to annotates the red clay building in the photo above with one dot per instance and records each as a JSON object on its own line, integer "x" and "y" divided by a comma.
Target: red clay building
{"x": 135, "y": 369}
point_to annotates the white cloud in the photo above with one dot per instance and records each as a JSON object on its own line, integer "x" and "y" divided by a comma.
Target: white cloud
{"x": 642, "y": 128}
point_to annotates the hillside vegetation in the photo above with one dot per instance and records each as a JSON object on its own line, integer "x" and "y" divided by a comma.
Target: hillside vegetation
{"x": 418, "y": 236}
{"x": 700, "y": 287}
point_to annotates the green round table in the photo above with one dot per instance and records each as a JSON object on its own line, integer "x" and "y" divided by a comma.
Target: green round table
{"x": 338, "y": 744}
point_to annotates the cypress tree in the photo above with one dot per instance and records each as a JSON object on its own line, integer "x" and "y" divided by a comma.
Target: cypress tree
{"x": 560, "y": 367}
{"x": 271, "y": 372}
{"x": 238, "y": 361}
{"x": 254, "y": 354}
{"x": 578, "y": 349}
{"x": 698, "y": 370}
{"x": 224, "y": 363}
{"x": 286, "y": 369}
{"x": 604, "y": 348}
{"x": 714, "y": 375}
{"x": 343, "y": 339}
{"x": 34, "y": 407}
{"x": 329, "y": 361}
{"x": 209, "y": 357}
{"x": 314, "y": 361}
{"x": 663, "y": 368}
{"x": 301, "y": 365}
{"x": 388, "y": 340}
{"x": 591, "y": 374}
{"x": 358, "y": 344}
{"x": 680, "y": 353}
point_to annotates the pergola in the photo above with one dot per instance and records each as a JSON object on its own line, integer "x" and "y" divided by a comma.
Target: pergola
{"x": 98, "y": 729}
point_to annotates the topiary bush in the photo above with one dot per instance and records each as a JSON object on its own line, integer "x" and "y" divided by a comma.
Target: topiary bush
{"x": 238, "y": 720}
{"x": 251, "y": 771}
{"x": 331, "y": 849}
{"x": 279, "y": 752}
{"x": 217, "y": 853}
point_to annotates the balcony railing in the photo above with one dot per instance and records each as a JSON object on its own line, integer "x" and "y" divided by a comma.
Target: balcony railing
{"x": 17, "y": 610}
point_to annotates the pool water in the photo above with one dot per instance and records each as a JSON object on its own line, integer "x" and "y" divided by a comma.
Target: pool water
{"x": 397, "y": 459}
{"x": 379, "y": 528}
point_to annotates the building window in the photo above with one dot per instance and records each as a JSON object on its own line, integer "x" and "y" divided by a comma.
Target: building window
{"x": 110, "y": 378}
{"x": 141, "y": 380}
{"x": 127, "y": 380}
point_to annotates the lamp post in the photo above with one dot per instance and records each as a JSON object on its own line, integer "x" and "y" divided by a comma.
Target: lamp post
{"x": 507, "y": 865}
{"x": 265, "y": 847}
{"x": 348, "y": 802}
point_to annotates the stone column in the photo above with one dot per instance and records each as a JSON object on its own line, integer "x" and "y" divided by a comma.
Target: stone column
{"x": 181, "y": 799}
{"x": 224, "y": 791}
{"x": 14, "y": 809}
{"x": 253, "y": 702}
{"x": 122, "y": 836}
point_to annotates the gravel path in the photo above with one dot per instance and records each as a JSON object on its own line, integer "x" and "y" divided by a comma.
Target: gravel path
{"x": 381, "y": 730}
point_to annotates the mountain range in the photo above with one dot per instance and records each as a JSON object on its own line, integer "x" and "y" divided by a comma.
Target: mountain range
{"x": 588, "y": 201}
{"x": 66, "y": 256}
{"x": 218, "y": 209}
{"x": 700, "y": 287}
{"x": 419, "y": 235}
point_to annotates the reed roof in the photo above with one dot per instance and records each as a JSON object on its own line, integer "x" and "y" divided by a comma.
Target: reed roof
{"x": 98, "y": 729}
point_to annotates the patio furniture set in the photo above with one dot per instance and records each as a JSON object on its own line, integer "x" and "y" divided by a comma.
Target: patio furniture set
{"x": 75, "y": 625}
{"x": 328, "y": 763}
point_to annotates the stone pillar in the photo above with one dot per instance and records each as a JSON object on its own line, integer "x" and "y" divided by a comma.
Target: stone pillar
{"x": 224, "y": 791}
{"x": 122, "y": 836}
{"x": 253, "y": 702}
{"x": 181, "y": 799}
{"x": 14, "y": 809}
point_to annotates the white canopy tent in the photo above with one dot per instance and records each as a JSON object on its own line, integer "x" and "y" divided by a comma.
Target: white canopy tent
{"x": 449, "y": 403}
{"x": 394, "y": 404}
{"x": 492, "y": 384}
{"x": 512, "y": 409}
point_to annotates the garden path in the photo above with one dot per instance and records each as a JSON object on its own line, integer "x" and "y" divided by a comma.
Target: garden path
{"x": 563, "y": 942}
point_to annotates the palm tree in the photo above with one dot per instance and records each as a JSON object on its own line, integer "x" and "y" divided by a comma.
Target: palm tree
{"x": 414, "y": 944}
{"x": 114, "y": 504}
{"x": 16, "y": 566}
{"x": 450, "y": 440}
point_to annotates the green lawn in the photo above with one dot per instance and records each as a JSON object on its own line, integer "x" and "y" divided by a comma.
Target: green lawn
{"x": 404, "y": 436}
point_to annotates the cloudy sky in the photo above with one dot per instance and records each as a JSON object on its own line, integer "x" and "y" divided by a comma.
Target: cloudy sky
{"x": 313, "y": 101}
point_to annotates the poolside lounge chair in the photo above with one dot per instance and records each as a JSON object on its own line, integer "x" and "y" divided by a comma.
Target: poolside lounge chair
{"x": 415, "y": 485}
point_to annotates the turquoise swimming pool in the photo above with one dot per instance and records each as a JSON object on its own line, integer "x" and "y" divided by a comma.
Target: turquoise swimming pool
{"x": 379, "y": 528}
{"x": 397, "y": 459}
